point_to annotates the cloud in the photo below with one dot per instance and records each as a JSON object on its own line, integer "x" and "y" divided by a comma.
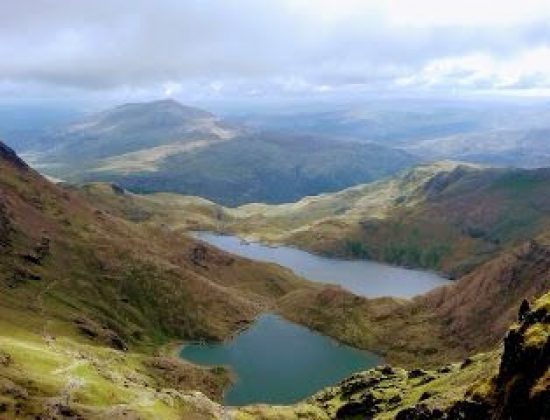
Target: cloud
{"x": 267, "y": 47}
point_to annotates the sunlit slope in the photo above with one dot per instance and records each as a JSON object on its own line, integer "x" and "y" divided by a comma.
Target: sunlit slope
{"x": 471, "y": 212}
{"x": 446, "y": 216}
{"x": 89, "y": 300}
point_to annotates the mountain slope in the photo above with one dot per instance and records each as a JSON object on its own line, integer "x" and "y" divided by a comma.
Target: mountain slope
{"x": 165, "y": 146}
{"x": 130, "y": 128}
{"x": 429, "y": 207}
{"x": 88, "y": 299}
{"x": 446, "y": 216}
{"x": 265, "y": 168}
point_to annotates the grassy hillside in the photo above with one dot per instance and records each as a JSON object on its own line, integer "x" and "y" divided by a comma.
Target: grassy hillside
{"x": 445, "y": 216}
{"x": 89, "y": 300}
{"x": 472, "y": 213}
{"x": 94, "y": 297}
{"x": 264, "y": 168}
{"x": 470, "y": 315}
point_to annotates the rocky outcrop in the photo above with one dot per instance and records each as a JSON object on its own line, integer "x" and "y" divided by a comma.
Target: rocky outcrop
{"x": 523, "y": 383}
{"x": 103, "y": 334}
{"x": 513, "y": 384}
{"x": 175, "y": 373}
{"x": 198, "y": 255}
{"x": 203, "y": 256}
{"x": 521, "y": 388}
{"x": 40, "y": 251}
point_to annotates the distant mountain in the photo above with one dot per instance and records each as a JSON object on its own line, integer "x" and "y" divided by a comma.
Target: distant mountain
{"x": 131, "y": 128}
{"x": 402, "y": 122}
{"x": 165, "y": 146}
{"x": 527, "y": 148}
{"x": 383, "y": 123}
{"x": 502, "y": 134}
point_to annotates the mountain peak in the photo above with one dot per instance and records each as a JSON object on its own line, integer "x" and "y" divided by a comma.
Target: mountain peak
{"x": 169, "y": 106}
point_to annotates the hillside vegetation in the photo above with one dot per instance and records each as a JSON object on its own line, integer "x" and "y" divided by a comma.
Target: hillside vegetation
{"x": 89, "y": 300}
{"x": 95, "y": 296}
{"x": 446, "y": 216}
{"x": 470, "y": 212}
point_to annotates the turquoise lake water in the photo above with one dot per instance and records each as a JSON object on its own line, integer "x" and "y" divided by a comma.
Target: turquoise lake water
{"x": 279, "y": 362}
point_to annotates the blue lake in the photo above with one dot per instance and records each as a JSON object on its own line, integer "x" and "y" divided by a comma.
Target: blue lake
{"x": 362, "y": 277}
{"x": 278, "y": 362}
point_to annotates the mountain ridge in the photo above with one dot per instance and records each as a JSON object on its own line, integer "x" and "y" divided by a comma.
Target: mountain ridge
{"x": 164, "y": 146}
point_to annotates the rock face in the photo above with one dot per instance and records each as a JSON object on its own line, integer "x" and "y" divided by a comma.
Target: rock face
{"x": 521, "y": 388}
{"x": 103, "y": 334}
{"x": 522, "y": 383}
{"x": 514, "y": 384}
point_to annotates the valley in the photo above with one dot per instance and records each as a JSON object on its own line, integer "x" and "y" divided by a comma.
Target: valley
{"x": 161, "y": 292}
{"x": 275, "y": 210}
{"x": 458, "y": 216}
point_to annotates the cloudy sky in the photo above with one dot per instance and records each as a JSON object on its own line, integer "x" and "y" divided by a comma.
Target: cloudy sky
{"x": 197, "y": 49}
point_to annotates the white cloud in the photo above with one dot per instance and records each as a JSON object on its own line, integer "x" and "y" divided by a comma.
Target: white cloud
{"x": 268, "y": 47}
{"x": 529, "y": 69}
{"x": 172, "y": 89}
{"x": 466, "y": 12}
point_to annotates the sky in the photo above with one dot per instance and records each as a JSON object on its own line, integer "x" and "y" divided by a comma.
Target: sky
{"x": 193, "y": 50}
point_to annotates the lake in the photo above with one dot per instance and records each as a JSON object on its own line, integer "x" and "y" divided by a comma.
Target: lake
{"x": 365, "y": 278}
{"x": 279, "y": 362}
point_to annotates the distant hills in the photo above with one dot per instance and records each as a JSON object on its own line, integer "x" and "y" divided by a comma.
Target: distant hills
{"x": 525, "y": 148}
{"x": 166, "y": 146}
{"x": 511, "y": 134}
